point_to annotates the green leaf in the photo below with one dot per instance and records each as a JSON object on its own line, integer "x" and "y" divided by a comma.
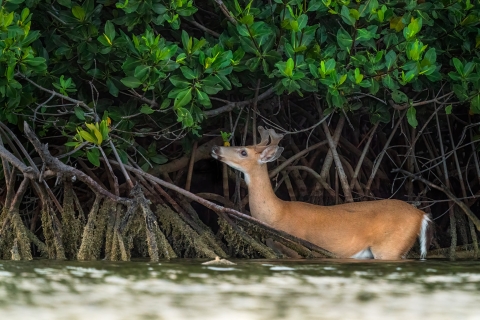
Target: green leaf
{"x": 412, "y": 116}
{"x": 347, "y": 17}
{"x": 203, "y": 98}
{"x": 448, "y": 109}
{"x": 179, "y": 82}
{"x": 159, "y": 159}
{"x": 186, "y": 42}
{"x": 93, "y": 156}
{"x": 104, "y": 130}
{"x": 390, "y": 59}
{"x": 79, "y": 113}
{"x": 430, "y": 56}
{"x": 78, "y": 13}
{"x": 475, "y": 104}
{"x": 112, "y": 88}
{"x": 468, "y": 68}
{"x": 344, "y": 40}
{"x": 66, "y": 3}
{"x": 399, "y": 97}
{"x": 71, "y": 144}
{"x": 87, "y": 136}
{"x": 131, "y": 82}
{"x": 289, "y": 67}
{"x": 413, "y": 28}
{"x": 358, "y": 76}
{"x": 141, "y": 72}
{"x": 366, "y": 34}
{"x": 110, "y": 30}
{"x": 184, "y": 116}
{"x": 458, "y": 65}
{"x": 188, "y": 73}
{"x": 146, "y": 109}
{"x": 183, "y": 98}
{"x": 123, "y": 155}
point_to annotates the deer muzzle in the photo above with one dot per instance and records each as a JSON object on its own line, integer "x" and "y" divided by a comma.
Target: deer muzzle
{"x": 216, "y": 152}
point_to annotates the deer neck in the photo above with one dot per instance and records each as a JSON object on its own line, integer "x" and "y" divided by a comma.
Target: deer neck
{"x": 264, "y": 204}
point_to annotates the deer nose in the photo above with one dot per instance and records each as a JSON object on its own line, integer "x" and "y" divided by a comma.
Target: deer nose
{"x": 215, "y": 149}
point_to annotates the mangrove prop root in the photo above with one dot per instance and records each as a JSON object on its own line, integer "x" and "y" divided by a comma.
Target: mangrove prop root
{"x": 243, "y": 237}
{"x": 155, "y": 236}
{"x": 21, "y": 242}
{"x": 109, "y": 237}
{"x": 193, "y": 239}
{"x": 72, "y": 225}
{"x": 87, "y": 250}
{"x": 204, "y": 231}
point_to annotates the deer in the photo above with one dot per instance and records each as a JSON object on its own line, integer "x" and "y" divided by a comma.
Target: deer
{"x": 379, "y": 229}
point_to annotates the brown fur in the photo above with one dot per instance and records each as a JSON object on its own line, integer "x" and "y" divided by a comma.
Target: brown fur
{"x": 388, "y": 228}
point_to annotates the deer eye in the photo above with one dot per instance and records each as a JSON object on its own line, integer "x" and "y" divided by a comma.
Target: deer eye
{"x": 243, "y": 153}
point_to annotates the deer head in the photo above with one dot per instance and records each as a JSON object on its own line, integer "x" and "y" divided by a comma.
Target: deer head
{"x": 248, "y": 158}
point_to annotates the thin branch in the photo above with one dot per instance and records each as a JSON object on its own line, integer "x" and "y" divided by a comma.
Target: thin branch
{"x": 232, "y": 105}
{"x": 52, "y": 92}
{"x": 79, "y": 147}
{"x": 316, "y": 175}
{"x": 364, "y": 153}
{"x": 421, "y": 103}
{"x": 378, "y": 161}
{"x": 449, "y": 194}
{"x": 57, "y": 166}
{"x": 190, "y": 166}
{"x": 300, "y": 154}
{"x": 125, "y": 174}
{"x": 226, "y": 12}
{"x": 203, "y": 28}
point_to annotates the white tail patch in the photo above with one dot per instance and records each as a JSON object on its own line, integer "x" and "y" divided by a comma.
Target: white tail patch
{"x": 423, "y": 236}
{"x": 364, "y": 254}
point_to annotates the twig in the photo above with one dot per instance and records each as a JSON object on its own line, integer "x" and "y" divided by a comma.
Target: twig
{"x": 453, "y": 222}
{"x": 300, "y": 154}
{"x": 79, "y": 147}
{"x": 464, "y": 191}
{"x": 378, "y": 161}
{"x": 190, "y": 166}
{"x": 201, "y": 153}
{"x": 52, "y": 92}
{"x": 449, "y": 194}
{"x": 203, "y": 28}
{"x": 421, "y": 103}
{"x": 333, "y": 148}
{"x": 57, "y": 166}
{"x": 226, "y": 12}
{"x": 90, "y": 173}
{"x": 254, "y": 115}
{"x": 232, "y": 105}
{"x": 110, "y": 170}
{"x": 319, "y": 178}
{"x": 364, "y": 153}
{"x": 125, "y": 174}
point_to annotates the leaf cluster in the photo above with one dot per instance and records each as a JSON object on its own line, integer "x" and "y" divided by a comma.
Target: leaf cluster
{"x": 147, "y": 64}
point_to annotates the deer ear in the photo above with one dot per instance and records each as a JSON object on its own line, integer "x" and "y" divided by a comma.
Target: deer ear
{"x": 271, "y": 153}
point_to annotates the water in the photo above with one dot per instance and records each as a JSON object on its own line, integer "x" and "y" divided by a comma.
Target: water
{"x": 252, "y": 289}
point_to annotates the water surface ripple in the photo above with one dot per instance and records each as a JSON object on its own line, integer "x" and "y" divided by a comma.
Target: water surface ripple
{"x": 252, "y": 289}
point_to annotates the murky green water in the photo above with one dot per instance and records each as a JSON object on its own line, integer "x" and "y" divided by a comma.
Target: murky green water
{"x": 307, "y": 289}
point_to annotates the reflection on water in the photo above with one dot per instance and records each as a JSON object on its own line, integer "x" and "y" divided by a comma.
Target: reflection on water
{"x": 259, "y": 289}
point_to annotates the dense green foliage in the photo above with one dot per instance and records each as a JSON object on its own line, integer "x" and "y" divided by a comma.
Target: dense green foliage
{"x": 148, "y": 66}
